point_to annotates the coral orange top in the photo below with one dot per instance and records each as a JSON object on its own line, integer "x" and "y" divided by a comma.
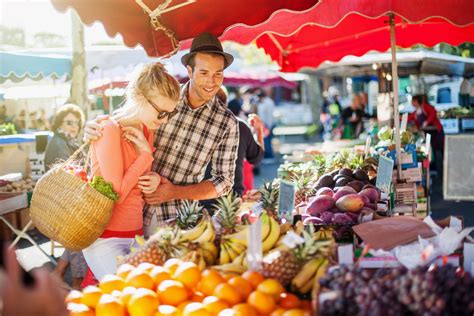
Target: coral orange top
{"x": 117, "y": 161}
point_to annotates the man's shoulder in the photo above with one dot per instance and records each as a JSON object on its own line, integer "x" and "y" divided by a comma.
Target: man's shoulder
{"x": 225, "y": 113}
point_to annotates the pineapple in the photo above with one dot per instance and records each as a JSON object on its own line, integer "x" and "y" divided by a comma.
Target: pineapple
{"x": 270, "y": 193}
{"x": 284, "y": 265}
{"x": 303, "y": 189}
{"x": 157, "y": 249}
{"x": 188, "y": 215}
{"x": 341, "y": 159}
{"x": 227, "y": 209}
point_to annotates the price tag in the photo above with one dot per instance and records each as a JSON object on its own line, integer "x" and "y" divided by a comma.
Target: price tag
{"x": 286, "y": 201}
{"x": 291, "y": 240}
{"x": 469, "y": 257}
{"x": 367, "y": 146}
{"x": 384, "y": 174}
{"x": 455, "y": 223}
{"x": 403, "y": 126}
{"x": 254, "y": 252}
{"x": 428, "y": 144}
{"x": 257, "y": 208}
{"x": 345, "y": 254}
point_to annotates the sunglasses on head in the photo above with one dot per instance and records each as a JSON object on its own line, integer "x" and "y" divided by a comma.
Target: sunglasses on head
{"x": 72, "y": 123}
{"x": 163, "y": 114}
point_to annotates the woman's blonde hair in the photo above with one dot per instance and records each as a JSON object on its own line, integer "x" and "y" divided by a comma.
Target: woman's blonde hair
{"x": 152, "y": 77}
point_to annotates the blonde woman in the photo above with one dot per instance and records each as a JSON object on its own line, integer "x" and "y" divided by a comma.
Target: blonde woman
{"x": 123, "y": 156}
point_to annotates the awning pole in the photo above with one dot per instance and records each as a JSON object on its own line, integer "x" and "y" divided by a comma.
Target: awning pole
{"x": 396, "y": 115}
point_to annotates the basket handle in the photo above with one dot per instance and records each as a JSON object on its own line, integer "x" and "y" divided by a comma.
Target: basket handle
{"x": 76, "y": 153}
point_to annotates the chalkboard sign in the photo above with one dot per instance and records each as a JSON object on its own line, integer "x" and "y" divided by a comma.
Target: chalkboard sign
{"x": 459, "y": 167}
{"x": 384, "y": 174}
{"x": 286, "y": 202}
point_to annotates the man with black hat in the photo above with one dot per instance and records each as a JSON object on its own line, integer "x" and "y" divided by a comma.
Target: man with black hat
{"x": 202, "y": 131}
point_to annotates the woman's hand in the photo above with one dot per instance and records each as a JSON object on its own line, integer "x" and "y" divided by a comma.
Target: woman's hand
{"x": 93, "y": 129}
{"x": 136, "y": 136}
{"x": 149, "y": 182}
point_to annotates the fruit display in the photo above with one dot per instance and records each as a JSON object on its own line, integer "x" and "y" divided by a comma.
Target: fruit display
{"x": 434, "y": 290}
{"x": 25, "y": 185}
{"x": 181, "y": 288}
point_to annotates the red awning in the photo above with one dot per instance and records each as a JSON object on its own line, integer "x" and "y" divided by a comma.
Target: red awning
{"x": 179, "y": 19}
{"x": 334, "y": 29}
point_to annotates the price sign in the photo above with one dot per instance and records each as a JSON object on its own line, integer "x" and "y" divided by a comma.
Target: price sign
{"x": 428, "y": 144}
{"x": 286, "y": 201}
{"x": 367, "y": 146}
{"x": 384, "y": 173}
{"x": 255, "y": 252}
{"x": 403, "y": 127}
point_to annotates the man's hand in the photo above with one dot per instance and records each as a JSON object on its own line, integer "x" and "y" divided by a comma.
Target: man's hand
{"x": 93, "y": 129}
{"x": 165, "y": 192}
{"x": 149, "y": 182}
{"x": 45, "y": 297}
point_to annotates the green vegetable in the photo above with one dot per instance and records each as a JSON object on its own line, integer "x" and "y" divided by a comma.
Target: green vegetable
{"x": 7, "y": 129}
{"x": 104, "y": 187}
{"x": 385, "y": 133}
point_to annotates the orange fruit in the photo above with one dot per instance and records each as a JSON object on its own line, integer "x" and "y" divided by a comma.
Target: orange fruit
{"x": 73, "y": 297}
{"x": 171, "y": 292}
{"x": 253, "y": 277}
{"x": 124, "y": 270}
{"x": 127, "y": 294}
{"x": 245, "y": 309}
{"x": 146, "y": 266}
{"x": 229, "y": 312}
{"x": 289, "y": 301}
{"x": 262, "y": 302}
{"x": 172, "y": 264}
{"x": 109, "y": 305}
{"x": 75, "y": 309}
{"x": 229, "y": 275}
{"x": 91, "y": 295}
{"x": 295, "y": 312}
{"x": 242, "y": 286}
{"x": 189, "y": 274}
{"x": 209, "y": 280}
{"x": 140, "y": 279}
{"x": 278, "y": 312}
{"x": 167, "y": 310}
{"x": 271, "y": 287}
{"x": 196, "y": 309}
{"x": 110, "y": 283}
{"x": 183, "y": 305}
{"x": 143, "y": 302}
{"x": 214, "y": 305}
{"x": 228, "y": 293}
{"x": 117, "y": 294}
{"x": 306, "y": 305}
{"x": 159, "y": 274}
{"x": 197, "y": 296}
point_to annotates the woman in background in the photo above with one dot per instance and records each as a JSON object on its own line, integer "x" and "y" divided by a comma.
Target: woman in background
{"x": 67, "y": 125}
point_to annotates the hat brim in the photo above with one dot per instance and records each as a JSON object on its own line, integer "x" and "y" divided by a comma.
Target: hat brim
{"x": 228, "y": 58}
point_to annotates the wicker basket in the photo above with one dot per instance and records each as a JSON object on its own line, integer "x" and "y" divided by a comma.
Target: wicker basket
{"x": 67, "y": 210}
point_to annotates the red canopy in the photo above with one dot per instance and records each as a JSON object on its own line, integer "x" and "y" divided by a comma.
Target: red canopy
{"x": 333, "y": 29}
{"x": 331, "y": 13}
{"x": 175, "y": 20}
{"x": 311, "y": 45}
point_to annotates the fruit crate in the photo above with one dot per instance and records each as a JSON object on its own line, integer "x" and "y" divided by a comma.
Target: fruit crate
{"x": 405, "y": 198}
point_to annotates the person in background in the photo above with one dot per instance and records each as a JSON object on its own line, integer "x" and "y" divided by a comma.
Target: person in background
{"x": 3, "y": 115}
{"x": 67, "y": 125}
{"x": 20, "y": 122}
{"x": 42, "y": 122}
{"x": 251, "y": 145}
{"x": 235, "y": 105}
{"x": 426, "y": 119}
{"x": 352, "y": 119}
{"x": 266, "y": 106}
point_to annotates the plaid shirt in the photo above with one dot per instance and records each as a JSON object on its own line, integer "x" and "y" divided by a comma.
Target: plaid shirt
{"x": 186, "y": 145}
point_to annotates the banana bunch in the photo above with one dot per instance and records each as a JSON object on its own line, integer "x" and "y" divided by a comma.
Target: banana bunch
{"x": 234, "y": 246}
{"x": 230, "y": 268}
{"x": 197, "y": 257}
{"x": 310, "y": 274}
{"x": 203, "y": 232}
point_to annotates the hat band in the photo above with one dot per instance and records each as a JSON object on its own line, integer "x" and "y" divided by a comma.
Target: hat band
{"x": 207, "y": 48}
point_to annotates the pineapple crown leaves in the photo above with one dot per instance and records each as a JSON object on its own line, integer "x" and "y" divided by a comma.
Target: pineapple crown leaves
{"x": 270, "y": 192}
{"x": 227, "y": 208}
{"x": 188, "y": 214}
{"x": 357, "y": 161}
{"x": 310, "y": 247}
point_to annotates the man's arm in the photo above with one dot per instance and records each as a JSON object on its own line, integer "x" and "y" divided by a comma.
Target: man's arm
{"x": 223, "y": 170}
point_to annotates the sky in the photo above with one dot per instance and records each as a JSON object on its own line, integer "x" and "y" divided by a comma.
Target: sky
{"x": 40, "y": 16}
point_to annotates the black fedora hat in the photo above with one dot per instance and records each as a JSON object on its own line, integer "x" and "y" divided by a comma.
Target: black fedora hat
{"x": 207, "y": 43}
